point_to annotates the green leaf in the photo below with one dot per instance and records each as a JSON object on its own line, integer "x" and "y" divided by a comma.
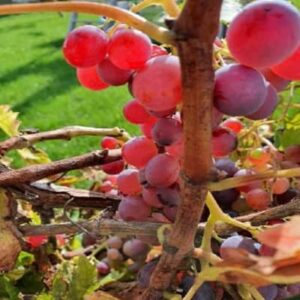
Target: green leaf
{"x": 297, "y": 4}
{"x": 7, "y": 289}
{"x": 113, "y": 276}
{"x": 44, "y": 297}
{"x": 83, "y": 278}
{"x": 31, "y": 283}
{"x": 59, "y": 288}
{"x": 8, "y": 121}
{"x": 288, "y": 137}
{"x": 25, "y": 259}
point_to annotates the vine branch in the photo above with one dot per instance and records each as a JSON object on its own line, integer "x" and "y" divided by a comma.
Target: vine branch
{"x": 66, "y": 133}
{"x": 156, "y": 32}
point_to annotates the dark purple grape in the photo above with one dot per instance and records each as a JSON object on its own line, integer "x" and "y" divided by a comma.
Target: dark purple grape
{"x": 226, "y": 165}
{"x": 88, "y": 240}
{"x": 238, "y": 241}
{"x": 205, "y": 292}
{"x": 114, "y": 255}
{"x": 287, "y": 196}
{"x": 145, "y": 273}
{"x": 169, "y": 196}
{"x": 226, "y": 198}
{"x": 269, "y": 292}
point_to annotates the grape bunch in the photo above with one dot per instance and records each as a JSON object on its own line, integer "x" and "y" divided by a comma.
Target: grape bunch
{"x": 264, "y": 44}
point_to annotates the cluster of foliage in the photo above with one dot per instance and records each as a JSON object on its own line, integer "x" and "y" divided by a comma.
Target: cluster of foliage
{"x": 255, "y": 131}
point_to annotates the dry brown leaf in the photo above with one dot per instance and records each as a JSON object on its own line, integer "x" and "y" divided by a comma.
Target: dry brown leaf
{"x": 100, "y": 295}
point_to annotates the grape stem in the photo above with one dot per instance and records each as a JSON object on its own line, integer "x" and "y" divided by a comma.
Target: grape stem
{"x": 66, "y": 133}
{"x": 158, "y": 33}
{"x": 244, "y": 180}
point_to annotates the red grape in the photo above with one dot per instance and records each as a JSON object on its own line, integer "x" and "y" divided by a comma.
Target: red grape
{"x": 129, "y": 49}
{"x": 292, "y": 153}
{"x": 158, "y": 85}
{"x": 289, "y": 68}
{"x": 280, "y": 186}
{"x": 176, "y": 150}
{"x": 242, "y": 98}
{"x": 133, "y": 208}
{"x": 36, "y": 241}
{"x": 103, "y": 268}
{"x": 109, "y": 142}
{"x": 258, "y": 199}
{"x": 216, "y": 118}
{"x": 162, "y": 170}
{"x": 170, "y": 212}
{"x": 114, "y": 254}
{"x": 233, "y": 124}
{"x": 90, "y": 79}
{"x": 113, "y": 75}
{"x": 114, "y": 167}
{"x": 267, "y": 107}
{"x": 146, "y": 128}
{"x": 278, "y": 82}
{"x": 86, "y": 46}
{"x": 264, "y": 33}
{"x": 128, "y": 182}
{"x": 223, "y": 141}
{"x": 162, "y": 114}
{"x": 138, "y": 151}
{"x": 135, "y": 113}
{"x": 167, "y": 131}
{"x": 169, "y": 196}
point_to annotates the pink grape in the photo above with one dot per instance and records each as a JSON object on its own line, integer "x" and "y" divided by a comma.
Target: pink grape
{"x": 278, "y": 82}
{"x": 135, "y": 113}
{"x": 177, "y": 149}
{"x": 258, "y": 199}
{"x": 170, "y": 212}
{"x": 90, "y": 79}
{"x": 162, "y": 170}
{"x": 114, "y": 242}
{"x": 233, "y": 124}
{"x": 114, "y": 254}
{"x": 158, "y": 85}
{"x": 264, "y": 33}
{"x": 109, "y": 142}
{"x": 243, "y": 97}
{"x": 280, "y": 185}
{"x": 113, "y": 75}
{"x": 167, "y": 131}
{"x": 158, "y": 51}
{"x": 223, "y": 142}
{"x": 135, "y": 249}
{"x": 290, "y": 67}
{"x": 267, "y": 107}
{"x": 138, "y": 151}
{"x": 162, "y": 114}
{"x": 151, "y": 198}
{"x": 133, "y": 208}
{"x": 146, "y": 128}
{"x": 129, "y": 49}
{"x": 86, "y": 46}
{"x": 128, "y": 182}
{"x": 114, "y": 167}
{"x": 250, "y": 186}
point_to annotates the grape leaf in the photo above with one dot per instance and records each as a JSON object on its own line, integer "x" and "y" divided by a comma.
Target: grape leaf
{"x": 8, "y": 121}
{"x": 289, "y": 137}
{"x": 83, "y": 278}
{"x": 284, "y": 237}
{"x": 296, "y": 3}
{"x": 7, "y": 289}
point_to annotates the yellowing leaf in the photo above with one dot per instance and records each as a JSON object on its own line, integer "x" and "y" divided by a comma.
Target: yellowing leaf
{"x": 8, "y": 121}
{"x": 284, "y": 237}
{"x": 100, "y": 296}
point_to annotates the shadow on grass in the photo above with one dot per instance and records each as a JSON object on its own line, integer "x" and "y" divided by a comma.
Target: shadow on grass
{"x": 61, "y": 80}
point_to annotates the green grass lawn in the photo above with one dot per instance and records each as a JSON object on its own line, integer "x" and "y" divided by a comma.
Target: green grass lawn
{"x": 37, "y": 83}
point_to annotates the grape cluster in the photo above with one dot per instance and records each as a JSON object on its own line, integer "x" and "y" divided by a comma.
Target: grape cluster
{"x": 264, "y": 41}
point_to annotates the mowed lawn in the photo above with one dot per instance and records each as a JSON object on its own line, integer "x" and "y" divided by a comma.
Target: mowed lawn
{"x": 37, "y": 83}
